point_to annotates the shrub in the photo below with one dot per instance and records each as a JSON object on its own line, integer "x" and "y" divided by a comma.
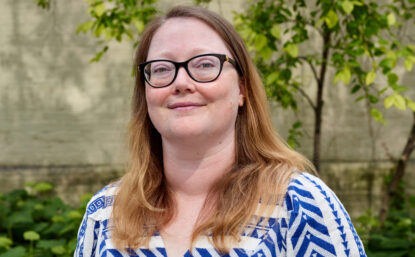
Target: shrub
{"x": 33, "y": 222}
{"x": 394, "y": 238}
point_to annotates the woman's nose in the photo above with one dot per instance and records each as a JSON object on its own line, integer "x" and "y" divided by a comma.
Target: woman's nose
{"x": 183, "y": 82}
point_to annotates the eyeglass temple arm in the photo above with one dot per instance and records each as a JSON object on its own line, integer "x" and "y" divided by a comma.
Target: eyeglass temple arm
{"x": 234, "y": 64}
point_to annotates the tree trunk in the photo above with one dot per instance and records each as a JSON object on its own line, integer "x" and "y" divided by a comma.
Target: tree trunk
{"x": 319, "y": 102}
{"x": 398, "y": 174}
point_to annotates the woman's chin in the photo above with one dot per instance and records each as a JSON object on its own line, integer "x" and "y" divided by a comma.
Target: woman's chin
{"x": 186, "y": 135}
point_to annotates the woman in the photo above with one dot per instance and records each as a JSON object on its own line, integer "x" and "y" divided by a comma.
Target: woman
{"x": 208, "y": 175}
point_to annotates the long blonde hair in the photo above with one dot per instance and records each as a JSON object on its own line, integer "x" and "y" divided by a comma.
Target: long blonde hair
{"x": 262, "y": 169}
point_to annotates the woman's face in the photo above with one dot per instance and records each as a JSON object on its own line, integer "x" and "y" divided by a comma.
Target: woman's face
{"x": 188, "y": 109}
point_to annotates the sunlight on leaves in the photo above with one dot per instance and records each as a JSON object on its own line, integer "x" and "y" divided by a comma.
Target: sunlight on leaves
{"x": 370, "y": 77}
{"x": 331, "y": 19}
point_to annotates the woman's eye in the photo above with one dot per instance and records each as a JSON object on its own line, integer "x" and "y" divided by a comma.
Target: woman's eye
{"x": 205, "y": 65}
{"x": 161, "y": 69}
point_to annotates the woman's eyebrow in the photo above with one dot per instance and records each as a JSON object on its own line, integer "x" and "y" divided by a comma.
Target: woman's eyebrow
{"x": 169, "y": 55}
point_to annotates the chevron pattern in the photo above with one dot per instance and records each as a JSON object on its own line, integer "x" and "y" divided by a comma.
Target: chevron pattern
{"x": 329, "y": 196}
{"x": 310, "y": 222}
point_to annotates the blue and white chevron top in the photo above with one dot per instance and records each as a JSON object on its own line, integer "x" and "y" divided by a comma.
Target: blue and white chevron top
{"x": 310, "y": 222}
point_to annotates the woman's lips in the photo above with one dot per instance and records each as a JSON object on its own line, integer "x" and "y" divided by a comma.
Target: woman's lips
{"x": 184, "y": 105}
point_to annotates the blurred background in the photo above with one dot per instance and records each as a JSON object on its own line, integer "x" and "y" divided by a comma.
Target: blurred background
{"x": 339, "y": 76}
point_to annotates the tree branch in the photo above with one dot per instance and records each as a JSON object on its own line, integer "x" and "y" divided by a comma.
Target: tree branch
{"x": 398, "y": 174}
{"x": 313, "y": 69}
{"x": 320, "y": 101}
{"x": 304, "y": 94}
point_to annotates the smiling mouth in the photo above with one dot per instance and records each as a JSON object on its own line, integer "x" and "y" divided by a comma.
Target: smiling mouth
{"x": 185, "y": 106}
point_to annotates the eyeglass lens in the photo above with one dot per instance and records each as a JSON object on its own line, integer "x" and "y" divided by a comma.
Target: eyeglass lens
{"x": 201, "y": 69}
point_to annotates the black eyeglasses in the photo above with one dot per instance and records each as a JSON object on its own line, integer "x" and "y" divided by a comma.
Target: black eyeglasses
{"x": 201, "y": 68}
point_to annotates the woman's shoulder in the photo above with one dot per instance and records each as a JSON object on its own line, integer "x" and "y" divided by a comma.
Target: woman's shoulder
{"x": 315, "y": 213}
{"x": 310, "y": 192}
{"x": 307, "y": 185}
{"x": 100, "y": 205}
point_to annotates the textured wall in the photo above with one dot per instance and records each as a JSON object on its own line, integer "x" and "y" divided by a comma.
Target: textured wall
{"x": 63, "y": 119}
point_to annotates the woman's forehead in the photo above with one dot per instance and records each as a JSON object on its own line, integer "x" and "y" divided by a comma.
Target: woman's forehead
{"x": 185, "y": 37}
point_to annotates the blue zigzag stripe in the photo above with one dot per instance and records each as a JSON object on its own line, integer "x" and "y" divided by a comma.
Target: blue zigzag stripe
{"x": 305, "y": 224}
{"x": 338, "y": 220}
{"x": 355, "y": 236}
{"x": 310, "y": 239}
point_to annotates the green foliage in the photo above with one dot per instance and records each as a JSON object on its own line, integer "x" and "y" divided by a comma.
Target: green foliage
{"x": 396, "y": 238}
{"x": 45, "y": 4}
{"x": 294, "y": 134}
{"x": 361, "y": 38}
{"x": 35, "y": 223}
{"x": 117, "y": 19}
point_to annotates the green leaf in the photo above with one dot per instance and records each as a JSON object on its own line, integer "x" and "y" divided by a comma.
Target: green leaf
{"x": 383, "y": 41}
{"x": 71, "y": 245}
{"x": 406, "y": 222}
{"x": 31, "y": 235}
{"x": 373, "y": 99}
{"x": 58, "y": 219}
{"x": 38, "y": 207}
{"x": 347, "y": 7}
{"x": 59, "y": 250}
{"x": 18, "y": 251}
{"x": 411, "y": 104}
{"x": 139, "y": 24}
{"x": 392, "y": 55}
{"x": 74, "y": 215}
{"x": 292, "y": 50}
{"x": 355, "y": 89}
{"x": 396, "y": 100}
{"x": 266, "y": 53}
{"x": 320, "y": 22}
{"x": 397, "y": 243}
{"x": 5, "y": 242}
{"x": 297, "y": 125}
{"x": 276, "y": 31}
{"x": 47, "y": 244}
{"x": 343, "y": 75}
{"x": 383, "y": 90}
{"x": 43, "y": 187}
{"x": 84, "y": 27}
{"x": 260, "y": 41}
{"x": 360, "y": 99}
{"x": 408, "y": 64}
{"x": 377, "y": 115}
{"x": 99, "y": 54}
{"x": 392, "y": 78}
{"x": 398, "y": 88}
{"x": 68, "y": 228}
{"x": 331, "y": 19}
{"x": 370, "y": 77}
{"x": 388, "y": 102}
{"x": 99, "y": 9}
{"x": 271, "y": 78}
{"x": 387, "y": 64}
{"x": 97, "y": 32}
{"x": 29, "y": 184}
{"x": 20, "y": 217}
{"x": 391, "y": 19}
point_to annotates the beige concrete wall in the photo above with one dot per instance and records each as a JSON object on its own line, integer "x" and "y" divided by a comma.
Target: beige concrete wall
{"x": 63, "y": 119}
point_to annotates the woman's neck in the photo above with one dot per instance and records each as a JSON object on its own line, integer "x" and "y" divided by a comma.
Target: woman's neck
{"x": 191, "y": 170}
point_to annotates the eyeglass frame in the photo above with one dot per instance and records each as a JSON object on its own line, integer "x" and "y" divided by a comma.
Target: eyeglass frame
{"x": 222, "y": 58}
